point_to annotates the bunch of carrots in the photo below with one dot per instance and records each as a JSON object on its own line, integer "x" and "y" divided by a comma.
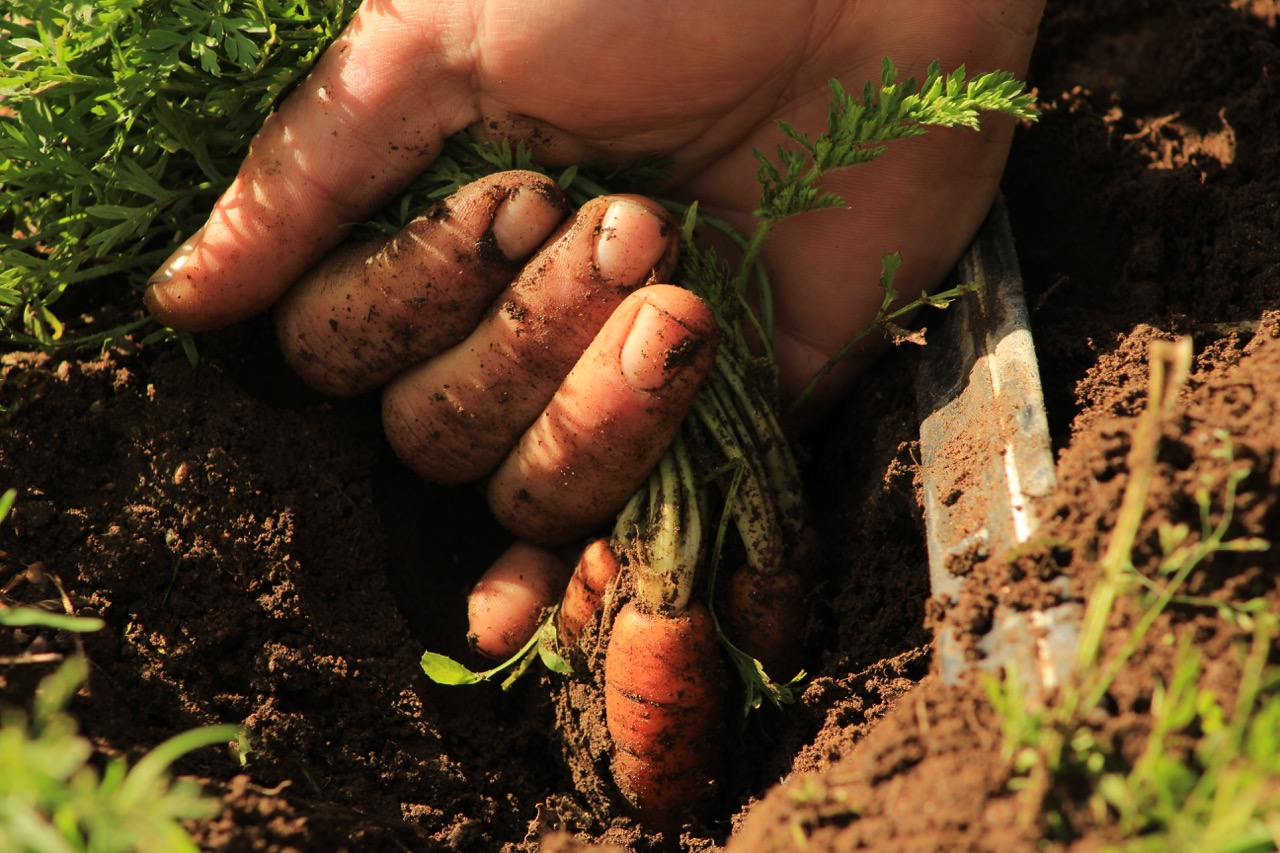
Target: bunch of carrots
{"x": 706, "y": 561}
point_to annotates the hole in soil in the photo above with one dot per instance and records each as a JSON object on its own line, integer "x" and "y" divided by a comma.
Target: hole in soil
{"x": 868, "y": 632}
{"x": 439, "y": 541}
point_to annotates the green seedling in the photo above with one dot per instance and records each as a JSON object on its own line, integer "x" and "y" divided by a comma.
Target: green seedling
{"x": 1206, "y": 779}
{"x": 55, "y": 797}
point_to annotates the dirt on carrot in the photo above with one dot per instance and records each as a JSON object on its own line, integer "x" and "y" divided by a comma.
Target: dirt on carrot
{"x": 664, "y": 699}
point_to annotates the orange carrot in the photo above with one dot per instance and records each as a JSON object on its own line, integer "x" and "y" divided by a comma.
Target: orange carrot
{"x": 765, "y": 617}
{"x": 596, "y": 568}
{"x": 765, "y": 614}
{"x": 664, "y": 700}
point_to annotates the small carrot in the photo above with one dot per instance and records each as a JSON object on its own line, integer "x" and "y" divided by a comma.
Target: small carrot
{"x": 664, "y": 699}
{"x": 765, "y": 614}
{"x": 765, "y": 617}
{"x": 596, "y": 568}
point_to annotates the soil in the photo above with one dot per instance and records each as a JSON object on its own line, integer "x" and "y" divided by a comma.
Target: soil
{"x": 260, "y": 558}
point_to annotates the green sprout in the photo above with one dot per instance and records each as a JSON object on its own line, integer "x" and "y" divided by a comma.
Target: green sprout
{"x": 1206, "y": 779}
{"x": 56, "y": 798}
{"x": 53, "y": 798}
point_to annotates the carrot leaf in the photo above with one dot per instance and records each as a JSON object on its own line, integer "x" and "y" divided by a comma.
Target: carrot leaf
{"x": 757, "y": 683}
{"x": 548, "y": 649}
{"x": 443, "y": 669}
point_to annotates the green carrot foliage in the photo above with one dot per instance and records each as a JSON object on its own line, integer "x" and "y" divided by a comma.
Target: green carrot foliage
{"x": 121, "y": 121}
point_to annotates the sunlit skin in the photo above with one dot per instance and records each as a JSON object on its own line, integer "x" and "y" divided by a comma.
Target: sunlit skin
{"x": 599, "y": 83}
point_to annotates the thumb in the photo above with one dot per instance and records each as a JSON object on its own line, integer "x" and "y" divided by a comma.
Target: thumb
{"x": 353, "y": 134}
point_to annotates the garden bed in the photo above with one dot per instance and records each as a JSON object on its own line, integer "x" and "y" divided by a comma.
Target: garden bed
{"x": 260, "y": 558}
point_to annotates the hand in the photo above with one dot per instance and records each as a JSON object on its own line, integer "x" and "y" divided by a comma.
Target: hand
{"x": 597, "y": 83}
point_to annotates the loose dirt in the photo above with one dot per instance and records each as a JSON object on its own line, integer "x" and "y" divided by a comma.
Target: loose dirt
{"x": 260, "y": 558}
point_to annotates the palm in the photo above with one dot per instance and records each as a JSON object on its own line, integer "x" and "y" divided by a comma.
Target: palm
{"x": 612, "y": 83}
{"x": 605, "y": 83}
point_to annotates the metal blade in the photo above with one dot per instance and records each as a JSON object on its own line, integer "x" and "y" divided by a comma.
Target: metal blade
{"x": 986, "y": 461}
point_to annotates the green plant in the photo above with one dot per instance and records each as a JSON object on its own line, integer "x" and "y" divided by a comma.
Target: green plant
{"x": 121, "y": 121}
{"x": 53, "y": 798}
{"x": 1206, "y": 778}
{"x": 1221, "y": 792}
{"x": 53, "y": 795}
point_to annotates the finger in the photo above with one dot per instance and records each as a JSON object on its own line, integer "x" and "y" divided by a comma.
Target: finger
{"x": 506, "y": 606}
{"x": 610, "y": 421}
{"x": 454, "y": 417}
{"x": 338, "y": 148}
{"x": 370, "y": 310}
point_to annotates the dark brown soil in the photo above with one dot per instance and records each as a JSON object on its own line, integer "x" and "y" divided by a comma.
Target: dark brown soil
{"x": 259, "y": 558}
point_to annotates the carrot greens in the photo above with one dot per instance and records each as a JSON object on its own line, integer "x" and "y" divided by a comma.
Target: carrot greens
{"x": 121, "y": 122}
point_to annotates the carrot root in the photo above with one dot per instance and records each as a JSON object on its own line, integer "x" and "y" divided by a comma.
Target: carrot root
{"x": 664, "y": 700}
{"x": 596, "y": 569}
{"x": 765, "y": 616}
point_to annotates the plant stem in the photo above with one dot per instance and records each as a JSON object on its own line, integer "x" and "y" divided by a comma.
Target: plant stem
{"x": 751, "y": 262}
{"x": 1170, "y": 365}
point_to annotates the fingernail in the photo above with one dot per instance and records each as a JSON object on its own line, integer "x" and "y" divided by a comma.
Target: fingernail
{"x": 177, "y": 260}
{"x": 656, "y": 348}
{"x": 523, "y": 223}
{"x": 632, "y": 240}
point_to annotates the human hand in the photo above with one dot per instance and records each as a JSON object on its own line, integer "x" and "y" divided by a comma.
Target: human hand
{"x": 601, "y": 84}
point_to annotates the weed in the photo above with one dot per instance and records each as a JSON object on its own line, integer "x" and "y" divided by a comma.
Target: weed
{"x": 1206, "y": 778}
{"x": 53, "y": 796}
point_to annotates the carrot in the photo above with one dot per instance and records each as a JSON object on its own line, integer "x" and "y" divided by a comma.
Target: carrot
{"x": 765, "y": 617}
{"x": 664, "y": 698}
{"x": 506, "y": 605}
{"x": 765, "y": 614}
{"x": 596, "y": 568}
